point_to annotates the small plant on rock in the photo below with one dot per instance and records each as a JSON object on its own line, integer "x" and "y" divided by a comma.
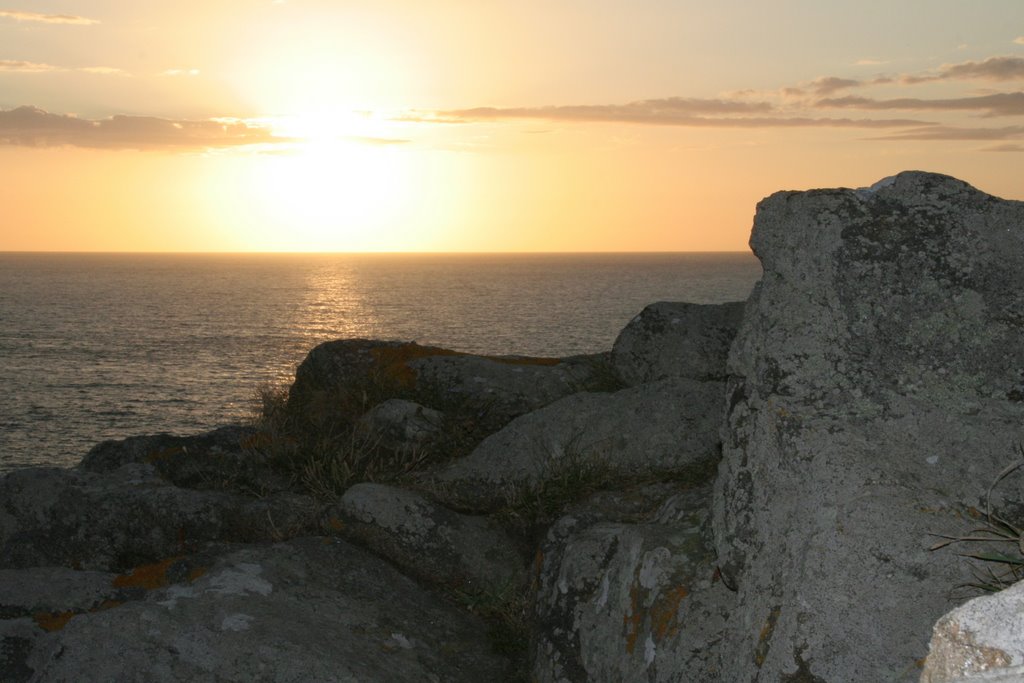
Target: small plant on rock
{"x": 997, "y": 546}
{"x": 320, "y": 444}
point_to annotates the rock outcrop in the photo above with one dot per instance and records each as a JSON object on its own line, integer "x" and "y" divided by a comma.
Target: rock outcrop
{"x": 670, "y": 339}
{"x": 876, "y": 394}
{"x": 307, "y": 610}
{"x": 427, "y": 540}
{"x": 771, "y": 526}
{"x": 622, "y": 598}
{"x": 659, "y": 428}
{"x": 127, "y": 517}
{"x": 495, "y": 388}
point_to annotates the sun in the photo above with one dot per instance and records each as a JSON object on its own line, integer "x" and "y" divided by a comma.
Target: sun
{"x": 335, "y": 184}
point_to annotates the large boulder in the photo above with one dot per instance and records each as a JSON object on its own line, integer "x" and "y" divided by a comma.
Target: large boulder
{"x": 659, "y": 428}
{"x": 669, "y": 339}
{"x": 876, "y": 395}
{"x": 427, "y": 540}
{"x": 630, "y": 600}
{"x": 982, "y": 640}
{"x": 226, "y": 458}
{"x": 312, "y": 609}
{"x": 494, "y": 388}
{"x": 127, "y": 517}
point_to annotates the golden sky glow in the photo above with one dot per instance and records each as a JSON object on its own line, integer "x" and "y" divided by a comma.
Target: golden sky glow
{"x": 402, "y": 125}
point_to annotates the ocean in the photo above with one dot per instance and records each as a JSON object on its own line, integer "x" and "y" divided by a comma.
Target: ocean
{"x": 105, "y": 346}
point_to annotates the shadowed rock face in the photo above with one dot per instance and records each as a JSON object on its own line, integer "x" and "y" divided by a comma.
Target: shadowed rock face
{"x": 876, "y": 395}
{"x": 495, "y": 388}
{"x": 427, "y": 540}
{"x": 312, "y": 609}
{"x": 629, "y": 600}
{"x": 670, "y": 339}
{"x": 658, "y": 428}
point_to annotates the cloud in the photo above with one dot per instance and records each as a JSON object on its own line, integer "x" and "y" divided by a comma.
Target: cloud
{"x": 998, "y": 104}
{"x": 1008, "y": 147}
{"x": 104, "y": 71}
{"x": 47, "y": 18}
{"x": 830, "y": 84}
{"x": 957, "y": 133}
{"x": 21, "y": 66}
{"x": 33, "y": 127}
{"x": 1019, "y": 40}
{"x": 669, "y": 111}
{"x": 673, "y": 111}
{"x": 991, "y": 69}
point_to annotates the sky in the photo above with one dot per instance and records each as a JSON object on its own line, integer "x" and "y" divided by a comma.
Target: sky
{"x": 533, "y": 125}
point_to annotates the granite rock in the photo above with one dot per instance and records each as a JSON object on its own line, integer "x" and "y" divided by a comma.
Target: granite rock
{"x": 429, "y": 541}
{"x": 658, "y": 428}
{"x": 670, "y": 339}
{"x": 127, "y": 517}
{"x": 312, "y": 609}
{"x": 494, "y": 389}
{"x": 630, "y": 601}
{"x": 876, "y": 394}
{"x": 402, "y": 425}
{"x": 981, "y": 640}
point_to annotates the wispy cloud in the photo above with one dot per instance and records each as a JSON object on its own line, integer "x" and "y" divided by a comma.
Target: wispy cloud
{"x": 673, "y": 111}
{"x": 1008, "y": 147}
{"x": 668, "y": 110}
{"x": 103, "y": 71}
{"x": 33, "y": 127}
{"x": 830, "y": 84}
{"x": 998, "y": 104}
{"x": 1019, "y": 40}
{"x": 991, "y": 69}
{"x": 957, "y": 133}
{"x": 47, "y": 18}
{"x": 21, "y": 66}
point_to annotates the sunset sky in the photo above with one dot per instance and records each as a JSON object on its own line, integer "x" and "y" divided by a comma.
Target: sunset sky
{"x": 443, "y": 125}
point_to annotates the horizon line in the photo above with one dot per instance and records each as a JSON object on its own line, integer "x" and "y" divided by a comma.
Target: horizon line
{"x": 366, "y": 253}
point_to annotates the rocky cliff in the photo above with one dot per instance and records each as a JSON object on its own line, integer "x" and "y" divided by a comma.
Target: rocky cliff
{"x": 743, "y": 492}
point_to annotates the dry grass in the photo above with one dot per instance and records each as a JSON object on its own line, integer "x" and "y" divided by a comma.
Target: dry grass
{"x": 996, "y": 548}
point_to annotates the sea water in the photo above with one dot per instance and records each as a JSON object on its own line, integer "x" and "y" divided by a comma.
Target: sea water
{"x": 103, "y": 346}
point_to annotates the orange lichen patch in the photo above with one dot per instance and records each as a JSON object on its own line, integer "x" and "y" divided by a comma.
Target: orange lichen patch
{"x": 665, "y": 613}
{"x": 107, "y": 604}
{"x": 53, "y": 621}
{"x": 147, "y": 576}
{"x": 765, "y": 638}
{"x": 393, "y": 361}
{"x": 164, "y": 454}
{"x": 632, "y": 620}
{"x": 335, "y": 523}
{"x": 195, "y": 573}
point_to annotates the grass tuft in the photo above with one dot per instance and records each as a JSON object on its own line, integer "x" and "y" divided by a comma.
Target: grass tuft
{"x": 996, "y": 548}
